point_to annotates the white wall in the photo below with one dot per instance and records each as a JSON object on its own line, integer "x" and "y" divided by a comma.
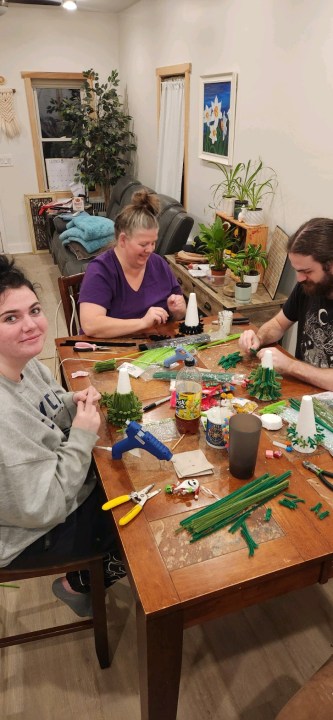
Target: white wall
{"x": 47, "y": 40}
{"x": 282, "y": 52}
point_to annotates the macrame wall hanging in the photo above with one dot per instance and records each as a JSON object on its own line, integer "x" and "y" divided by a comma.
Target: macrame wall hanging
{"x": 8, "y": 123}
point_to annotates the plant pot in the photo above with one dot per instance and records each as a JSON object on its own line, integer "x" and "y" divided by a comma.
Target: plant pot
{"x": 238, "y": 207}
{"x": 216, "y": 271}
{"x": 253, "y": 279}
{"x": 243, "y": 292}
{"x": 228, "y": 204}
{"x": 253, "y": 217}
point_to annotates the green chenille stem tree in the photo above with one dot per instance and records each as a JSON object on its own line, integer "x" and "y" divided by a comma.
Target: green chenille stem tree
{"x": 100, "y": 132}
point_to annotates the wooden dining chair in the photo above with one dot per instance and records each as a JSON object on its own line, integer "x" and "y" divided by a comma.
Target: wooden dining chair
{"x": 95, "y": 566}
{"x": 314, "y": 699}
{"x": 69, "y": 287}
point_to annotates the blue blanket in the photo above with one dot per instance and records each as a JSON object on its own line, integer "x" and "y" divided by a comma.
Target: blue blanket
{"x": 93, "y": 232}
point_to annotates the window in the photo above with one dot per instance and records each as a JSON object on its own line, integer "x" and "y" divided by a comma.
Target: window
{"x": 55, "y": 165}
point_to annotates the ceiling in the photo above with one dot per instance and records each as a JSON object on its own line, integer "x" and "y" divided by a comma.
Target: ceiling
{"x": 111, "y": 6}
{"x": 106, "y": 6}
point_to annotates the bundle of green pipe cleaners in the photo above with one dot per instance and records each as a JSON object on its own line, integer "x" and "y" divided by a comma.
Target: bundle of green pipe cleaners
{"x": 235, "y": 508}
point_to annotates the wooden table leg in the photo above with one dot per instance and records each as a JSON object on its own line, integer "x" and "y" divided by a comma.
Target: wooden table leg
{"x": 160, "y": 645}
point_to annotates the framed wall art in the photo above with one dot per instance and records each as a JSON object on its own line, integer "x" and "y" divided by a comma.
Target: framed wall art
{"x": 217, "y": 117}
{"x": 36, "y": 222}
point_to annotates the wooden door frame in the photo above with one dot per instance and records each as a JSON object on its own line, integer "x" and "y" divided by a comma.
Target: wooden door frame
{"x": 163, "y": 73}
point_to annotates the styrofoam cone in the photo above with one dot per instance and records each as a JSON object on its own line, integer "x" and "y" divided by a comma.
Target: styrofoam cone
{"x": 192, "y": 316}
{"x": 306, "y": 426}
{"x": 267, "y": 360}
{"x": 124, "y": 383}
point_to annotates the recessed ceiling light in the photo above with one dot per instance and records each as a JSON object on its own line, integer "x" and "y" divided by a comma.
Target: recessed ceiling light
{"x": 3, "y": 7}
{"x": 69, "y": 5}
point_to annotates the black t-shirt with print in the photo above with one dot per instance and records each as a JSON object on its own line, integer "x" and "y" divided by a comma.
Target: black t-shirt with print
{"x": 315, "y": 322}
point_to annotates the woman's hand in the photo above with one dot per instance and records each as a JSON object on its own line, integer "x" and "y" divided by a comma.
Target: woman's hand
{"x": 155, "y": 316}
{"x": 82, "y": 395}
{"x": 249, "y": 341}
{"x": 87, "y": 416}
{"x": 176, "y": 306}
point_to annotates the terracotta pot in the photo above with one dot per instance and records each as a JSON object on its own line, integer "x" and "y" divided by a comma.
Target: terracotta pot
{"x": 214, "y": 271}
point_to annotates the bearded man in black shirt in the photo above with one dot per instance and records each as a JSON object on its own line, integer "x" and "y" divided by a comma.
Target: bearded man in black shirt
{"x": 310, "y": 251}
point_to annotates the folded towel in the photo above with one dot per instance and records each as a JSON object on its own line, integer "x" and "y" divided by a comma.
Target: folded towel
{"x": 88, "y": 227}
{"x": 93, "y": 232}
{"x": 89, "y": 245}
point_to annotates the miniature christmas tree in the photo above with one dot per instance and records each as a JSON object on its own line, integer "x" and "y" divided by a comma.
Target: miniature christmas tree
{"x": 263, "y": 382}
{"x": 123, "y": 404}
{"x": 304, "y": 435}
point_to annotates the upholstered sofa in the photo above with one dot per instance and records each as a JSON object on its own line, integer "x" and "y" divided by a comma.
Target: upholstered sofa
{"x": 174, "y": 227}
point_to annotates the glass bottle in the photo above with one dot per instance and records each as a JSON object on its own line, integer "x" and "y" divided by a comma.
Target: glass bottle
{"x": 188, "y": 398}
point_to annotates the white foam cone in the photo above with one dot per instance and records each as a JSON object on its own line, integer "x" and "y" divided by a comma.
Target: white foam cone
{"x": 306, "y": 426}
{"x": 192, "y": 317}
{"x": 124, "y": 383}
{"x": 267, "y": 360}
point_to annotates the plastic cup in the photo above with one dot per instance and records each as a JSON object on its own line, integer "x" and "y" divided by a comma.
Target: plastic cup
{"x": 244, "y": 436}
{"x": 217, "y": 427}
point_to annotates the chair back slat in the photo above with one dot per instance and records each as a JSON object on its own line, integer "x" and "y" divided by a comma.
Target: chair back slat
{"x": 69, "y": 287}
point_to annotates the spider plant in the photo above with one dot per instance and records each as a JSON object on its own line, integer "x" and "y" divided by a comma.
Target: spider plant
{"x": 228, "y": 186}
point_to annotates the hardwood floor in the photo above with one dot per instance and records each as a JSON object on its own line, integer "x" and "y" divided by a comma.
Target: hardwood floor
{"x": 241, "y": 667}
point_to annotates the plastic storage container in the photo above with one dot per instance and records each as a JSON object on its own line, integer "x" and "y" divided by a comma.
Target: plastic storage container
{"x": 188, "y": 398}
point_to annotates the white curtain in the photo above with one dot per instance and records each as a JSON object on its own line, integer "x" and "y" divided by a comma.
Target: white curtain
{"x": 170, "y": 153}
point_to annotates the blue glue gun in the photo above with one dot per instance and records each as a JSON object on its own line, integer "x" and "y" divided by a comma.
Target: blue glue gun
{"x": 180, "y": 354}
{"x": 138, "y": 438}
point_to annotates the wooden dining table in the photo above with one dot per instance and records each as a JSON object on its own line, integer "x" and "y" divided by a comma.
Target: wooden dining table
{"x": 177, "y": 583}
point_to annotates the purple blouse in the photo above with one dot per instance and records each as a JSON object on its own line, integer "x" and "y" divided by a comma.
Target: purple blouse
{"x": 104, "y": 284}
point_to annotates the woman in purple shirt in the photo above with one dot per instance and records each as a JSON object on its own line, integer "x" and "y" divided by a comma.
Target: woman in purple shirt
{"x": 129, "y": 287}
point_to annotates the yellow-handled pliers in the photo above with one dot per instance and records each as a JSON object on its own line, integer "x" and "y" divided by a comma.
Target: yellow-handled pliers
{"x": 139, "y": 497}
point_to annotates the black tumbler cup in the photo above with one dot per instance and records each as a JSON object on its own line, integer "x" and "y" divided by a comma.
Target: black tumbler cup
{"x": 244, "y": 436}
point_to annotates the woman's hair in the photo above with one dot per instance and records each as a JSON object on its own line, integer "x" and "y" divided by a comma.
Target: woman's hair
{"x": 315, "y": 238}
{"x": 141, "y": 214}
{"x": 11, "y": 277}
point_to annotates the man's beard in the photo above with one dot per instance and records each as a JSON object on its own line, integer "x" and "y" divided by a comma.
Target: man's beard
{"x": 324, "y": 287}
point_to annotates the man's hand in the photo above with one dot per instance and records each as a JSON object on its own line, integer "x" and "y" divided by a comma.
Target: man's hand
{"x": 249, "y": 341}
{"x": 281, "y": 362}
{"x": 82, "y": 395}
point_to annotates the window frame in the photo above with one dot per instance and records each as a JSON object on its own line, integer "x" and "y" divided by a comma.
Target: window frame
{"x": 39, "y": 77}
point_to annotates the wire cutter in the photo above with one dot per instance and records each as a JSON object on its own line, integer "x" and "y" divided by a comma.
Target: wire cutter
{"x": 139, "y": 497}
{"x": 321, "y": 474}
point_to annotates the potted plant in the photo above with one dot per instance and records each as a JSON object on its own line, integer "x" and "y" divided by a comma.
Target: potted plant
{"x": 215, "y": 239}
{"x": 256, "y": 190}
{"x": 238, "y": 266}
{"x": 224, "y": 192}
{"x": 243, "y": 183}
{"x": 100, "y": 132}
{"x": 255, "y": 256}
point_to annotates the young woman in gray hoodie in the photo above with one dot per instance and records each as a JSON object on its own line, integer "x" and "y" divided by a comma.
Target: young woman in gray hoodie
{"x": 50, "y": 505}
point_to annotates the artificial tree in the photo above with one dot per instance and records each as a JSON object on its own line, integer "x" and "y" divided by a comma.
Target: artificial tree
{"x": 100, "y": 131}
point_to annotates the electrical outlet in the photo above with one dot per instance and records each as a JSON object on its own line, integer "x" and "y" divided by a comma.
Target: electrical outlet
{"x": 6, "y": 160}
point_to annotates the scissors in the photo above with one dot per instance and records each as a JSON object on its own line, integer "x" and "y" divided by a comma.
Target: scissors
{"x": 89, "y": 347}
{"x": 139, "y": 497}
{"x": 321, "y": 474}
